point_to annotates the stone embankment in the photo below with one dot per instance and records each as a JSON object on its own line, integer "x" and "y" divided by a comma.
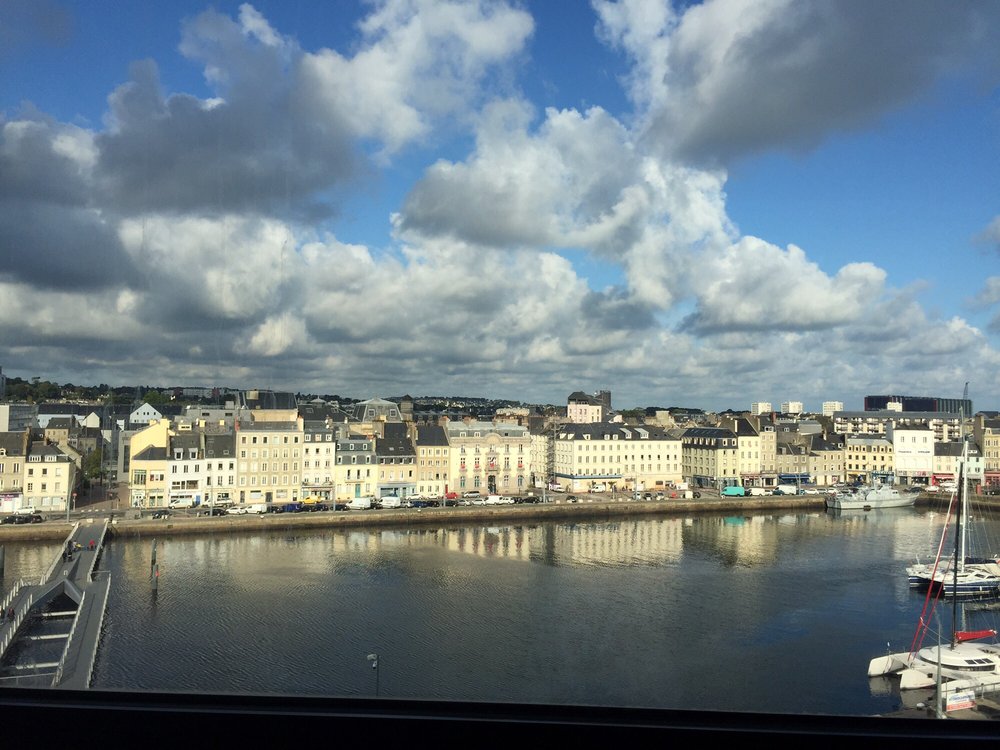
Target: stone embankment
{"x": 586, "y": 510}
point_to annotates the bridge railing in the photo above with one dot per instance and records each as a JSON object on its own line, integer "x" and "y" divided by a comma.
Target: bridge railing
{"x": 10, "y": 626}
{"x": 57, "y": 678}
{"x": 58, "y": 561}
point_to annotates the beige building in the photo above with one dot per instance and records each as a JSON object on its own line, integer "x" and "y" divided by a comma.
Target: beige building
{"x": 604, "y": 457}
{"x": 826, "y": 461}
{"x": 13, "y": 456}
{"x": 869, "y": 458}
{"x": 319, "y": 459}
{"x": 433, "y": 461}
{"x": 987, "y": 435}
{"x": 711, "y": 456}
{"x": 49, "y": 478}
{"x": 269, "y": 460}
{"x": 489, "y": 457}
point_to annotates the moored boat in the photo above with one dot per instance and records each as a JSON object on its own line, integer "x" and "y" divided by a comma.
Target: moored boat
{"x": 870, "y": 498}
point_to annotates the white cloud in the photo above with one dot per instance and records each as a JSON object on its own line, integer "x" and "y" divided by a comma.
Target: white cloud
{"x": 420, "y": 61}
{"x": 724, "y": 78}
{"x": 754, "y": 285}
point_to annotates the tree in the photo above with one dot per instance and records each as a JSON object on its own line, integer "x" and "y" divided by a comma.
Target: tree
{"x": 93, "y": 465}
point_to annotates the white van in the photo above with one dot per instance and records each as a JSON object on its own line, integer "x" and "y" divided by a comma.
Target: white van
{"x": 182, "y": 502}
{"x": 786, "y": 489}
{"x": 360, "y": 503}
{"x": 389, "y": 501}
{"x": 257, "y": 508}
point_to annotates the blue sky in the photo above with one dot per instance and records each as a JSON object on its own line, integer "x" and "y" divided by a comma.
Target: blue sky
{"x": 704, "y": 204}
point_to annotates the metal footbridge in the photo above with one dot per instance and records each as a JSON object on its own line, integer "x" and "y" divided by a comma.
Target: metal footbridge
{"x": 51, "y": 627}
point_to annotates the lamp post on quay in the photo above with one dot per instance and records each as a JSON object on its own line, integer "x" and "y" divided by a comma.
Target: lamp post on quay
{"x": 373, "y": 658}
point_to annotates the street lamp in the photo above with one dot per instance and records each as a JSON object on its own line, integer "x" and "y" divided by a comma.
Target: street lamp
{"x": 373, "y": 658}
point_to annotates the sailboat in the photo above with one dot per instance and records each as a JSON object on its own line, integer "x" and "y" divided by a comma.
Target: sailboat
{"x": 963, "y": 575}
{"x": 961, "y": 664}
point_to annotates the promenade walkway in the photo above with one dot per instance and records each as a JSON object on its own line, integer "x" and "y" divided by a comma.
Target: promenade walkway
{"x": 51, "y": 627}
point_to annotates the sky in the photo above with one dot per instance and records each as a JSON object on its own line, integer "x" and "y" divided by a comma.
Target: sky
{"x": 699, "y": 204}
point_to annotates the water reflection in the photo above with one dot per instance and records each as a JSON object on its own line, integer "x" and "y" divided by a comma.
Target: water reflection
{"x": 619, "y": 613}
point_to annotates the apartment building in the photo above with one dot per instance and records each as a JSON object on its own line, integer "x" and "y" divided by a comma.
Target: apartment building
{"x": 433, "y": 461}
{"x": 945, "y": 426}
{"x": 13, "y": 456}
{"x": 397, "y": 461}
{"x": 319, "y": 458}
{"x": 489, "y": 457}
{"x": 49, "y": 478}
{"x": 826, "y": 461}
{"x": 913, "y": 452}
{"x": 711, "y": 456}
{"x": 269, "y": 460}
{"x": 581, "y": 408}
{"x": 986, "y": 432}
{"x": 869, "y": 458}
{"x": 355, "y": 472}
{"x": 948, "y": 460}
{"x": 616, "y": 456}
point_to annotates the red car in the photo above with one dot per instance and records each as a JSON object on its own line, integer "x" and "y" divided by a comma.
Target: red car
{"x": 451, "y": 496}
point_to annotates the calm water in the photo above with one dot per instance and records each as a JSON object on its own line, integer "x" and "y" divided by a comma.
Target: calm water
{"x": 764, "y": 613}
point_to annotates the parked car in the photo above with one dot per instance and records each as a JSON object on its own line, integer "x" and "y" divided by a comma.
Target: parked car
{"x": 162, "y": 513}
{"x": 571, "y": 499}
{"x": 360, "y": 503}
{"x": 418, "y": 503}
{"x": 9, "y": 519}
{"x": 733, "y": 490}
{"x": 389, "y": 502}
{"x": 451, "y": 496}
{"x": 237, "y": 510}
{"x": 213, "y": 512}
{"x": 472, "y": 493}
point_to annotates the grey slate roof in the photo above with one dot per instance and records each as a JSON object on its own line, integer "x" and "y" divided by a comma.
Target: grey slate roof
{"x": 220, "y": 446}
{"x": 13, "y": 443}
{"x": 151, "y": 453}
{"x": 431, "y": 434}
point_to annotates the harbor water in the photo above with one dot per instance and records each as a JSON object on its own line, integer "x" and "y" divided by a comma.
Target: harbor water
{"x": 765, "y": 612}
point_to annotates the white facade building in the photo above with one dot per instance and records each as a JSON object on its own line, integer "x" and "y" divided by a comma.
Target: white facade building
{"x": 829, "y": 407}
{"x": 792, "y": 407}
{"x": 760, "y": 407}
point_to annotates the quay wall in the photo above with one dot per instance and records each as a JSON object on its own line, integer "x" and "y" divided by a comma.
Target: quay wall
{"x": 56, "y": 530}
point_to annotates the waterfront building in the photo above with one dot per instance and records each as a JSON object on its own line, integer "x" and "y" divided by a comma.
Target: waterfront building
{"x": 270, "y": 454}
{"x": 826, "y": 460}
{"x": 792, "y": 459}
{"x": 433, "y": 461}
{"x": 986, "y": 431}
{"x": 355, "y": 472}
{"x": 542, "y": 454}
{"x": 489, "y": 457}
{"x": 50, "y": 478}
{"x": 948, "y": 459}
{"x": 13, "y": 456}
{"x": 220, "y": 467}
{"x": 869, "y": 458}
{"x": 319, "y": 457}
{"x": 748, "y": 443}
{"x": 147, "y": 465}
{"x": 710, "y": 456}
{"x": 913, "y": 451}
{"x": 617, "y": 456}
{"x": 397, "y": 461}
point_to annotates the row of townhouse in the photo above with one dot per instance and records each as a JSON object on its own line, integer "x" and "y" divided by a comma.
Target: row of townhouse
{"x": 279, "y": 455}
{"x": 285, "y": 458}
{"x": 35, "y": 473}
